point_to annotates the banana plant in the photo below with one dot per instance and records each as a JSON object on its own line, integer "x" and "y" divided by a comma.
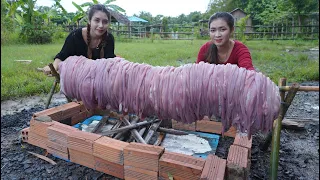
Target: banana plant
{"x": 80, "y": 15}
{"x": 59, "y": 6}
{"x": 12, "y": 8}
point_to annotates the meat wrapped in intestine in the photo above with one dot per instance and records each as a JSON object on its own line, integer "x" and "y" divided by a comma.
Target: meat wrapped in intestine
{"x": 242, "y": 98}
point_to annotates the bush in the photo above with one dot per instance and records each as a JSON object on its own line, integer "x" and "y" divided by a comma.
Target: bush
{"x": 39, "y": 34}
{"x": 8, "y": 34}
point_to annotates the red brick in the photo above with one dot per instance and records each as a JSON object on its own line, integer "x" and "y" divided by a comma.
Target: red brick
{"x": 214, "y": 127}
{"x": 85, "y": 159}
{"x": 59, "y": 133}
{"x": 108, "y": 167}
{"x": 39, "y": 127}
{"x": 70, "y": 109}
{"x": 37, "y": 140}
{"x": 25, "y": 134}
{"x": 243, "y": 141}
{"x": 109, "y": 149}
{"x": 57, "y": 146}
{"x": 78, "y": 118}
{"x": 180, "y": 166}
{"x": 82, "y": 141}
{"x": 58, "y": 153}
{"x": 55, "y": 113}
{"x": 237, "y": 163}
{"x": 133, "y": 173}
{"x": 143, "y": 156}
{"x": 183, "y": 126}
{"x": 214, "y": 168}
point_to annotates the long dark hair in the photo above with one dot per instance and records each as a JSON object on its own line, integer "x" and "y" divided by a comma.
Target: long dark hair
{"x": 212, "y": 53}
{"x": 93, "y": 9}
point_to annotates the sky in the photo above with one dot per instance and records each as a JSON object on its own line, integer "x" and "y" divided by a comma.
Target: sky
{"x": 171, "y": 8}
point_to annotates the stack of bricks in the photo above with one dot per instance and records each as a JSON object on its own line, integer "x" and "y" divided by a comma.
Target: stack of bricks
{"x": 180, "y": 166}
{"x": 81, "y": 115}
{"x": 108, "y": 155}
{"x": 214, "y": 168}
{"x": 58, "y": 140}
{"x": 37, "y": 135}
{"x": 55, "y": 113}
{"x": 69, "y": 110}
{"x": 238, "y": 160}
{"x": 141, "y": 161}
{"x": 207, "y": 125}
{"x": 80, "y": 146}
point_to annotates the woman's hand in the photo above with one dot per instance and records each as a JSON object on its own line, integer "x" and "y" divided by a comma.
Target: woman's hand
{"x": 46, "y": 70}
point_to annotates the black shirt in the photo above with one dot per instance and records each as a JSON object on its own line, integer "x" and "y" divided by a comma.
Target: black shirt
{"x": 76, "y": 46}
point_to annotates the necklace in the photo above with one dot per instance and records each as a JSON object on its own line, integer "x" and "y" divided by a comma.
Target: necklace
{"x": 98, "y": 44}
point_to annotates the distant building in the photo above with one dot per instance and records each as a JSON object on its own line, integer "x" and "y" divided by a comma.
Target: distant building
{"x": 238, "y": 14}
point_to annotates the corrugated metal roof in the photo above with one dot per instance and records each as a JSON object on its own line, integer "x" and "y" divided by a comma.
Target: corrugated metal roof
{"x": 136, "y": 19}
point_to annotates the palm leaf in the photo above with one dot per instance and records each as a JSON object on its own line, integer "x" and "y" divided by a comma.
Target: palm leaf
{"x": 87, "y": 4}
{"x": 95, "y": 2}
{"x": 78, "y": 7}
{"x": 116, "y": 8}
{"x": 19, "y": 19}
{"x": 77, "y": 17}
{"x": 108, "y": 2}
{"x": 61, "y": 7}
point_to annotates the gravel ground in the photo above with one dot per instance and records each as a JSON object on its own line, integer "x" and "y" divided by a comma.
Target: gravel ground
{"x": 299, "y": 150}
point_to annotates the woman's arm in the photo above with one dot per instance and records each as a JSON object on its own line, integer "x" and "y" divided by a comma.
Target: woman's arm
{"x": 68, "y": 49}
{"x": 202, "y": 53}
{"x": 47, "y": 70}
{"x": 244, "y": 57}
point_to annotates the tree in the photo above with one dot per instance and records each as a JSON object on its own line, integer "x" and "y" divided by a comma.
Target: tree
{"x": 182, "y": 18}
{"x": 303, "y": 7}
{"x": 145, "y": 15}
{"x": 194, "y": 16}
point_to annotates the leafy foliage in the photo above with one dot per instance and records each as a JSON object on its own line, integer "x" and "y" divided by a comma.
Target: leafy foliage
{"x": 40, "y": 34}
{"x": 242, "y": 28}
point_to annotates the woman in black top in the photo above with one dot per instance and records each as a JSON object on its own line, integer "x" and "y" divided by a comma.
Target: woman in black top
{"x": 93, "y": 41}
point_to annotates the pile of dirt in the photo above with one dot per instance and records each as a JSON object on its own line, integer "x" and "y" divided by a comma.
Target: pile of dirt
{"x": 299, "y": 150}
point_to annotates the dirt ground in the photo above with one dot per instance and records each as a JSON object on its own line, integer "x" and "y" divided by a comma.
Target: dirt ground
{"x": 299, "y": 150}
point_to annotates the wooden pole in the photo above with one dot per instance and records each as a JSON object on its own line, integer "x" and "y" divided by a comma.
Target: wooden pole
{"x": 171, "y": 131}
{"x": 301, "y": 88}
{"x": 101, "y": 123}
{"x": 292, "y": 33}
{"x": 264, "y": 146}
{"x": 51, "y": 94}
{"x": 160, "y": 139}
{"x": 153, "y": 128}
{"x": 128, "y": 127}
{"x": 134, "y": 132}
{"x": 312, "y": 29}
{"x": 274, "y": 158}
{"x": 134, "y": 121}
{"x": 286, "y": 28}
{"x": 281, "y": 29}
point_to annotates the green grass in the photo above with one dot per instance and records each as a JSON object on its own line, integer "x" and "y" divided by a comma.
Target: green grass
{"x": 271, "y": 58}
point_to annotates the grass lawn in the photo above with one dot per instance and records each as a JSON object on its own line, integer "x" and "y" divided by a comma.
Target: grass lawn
{"x": 275, "y": 59}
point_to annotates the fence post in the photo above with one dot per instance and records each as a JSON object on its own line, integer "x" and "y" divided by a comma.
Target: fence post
{"x": 292, "y": 28}
{"x": 272, "y": 31}
{"x": 312, "y": 29}
{"x": 286, "y": 28}
{"x": 281, "y": 29}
